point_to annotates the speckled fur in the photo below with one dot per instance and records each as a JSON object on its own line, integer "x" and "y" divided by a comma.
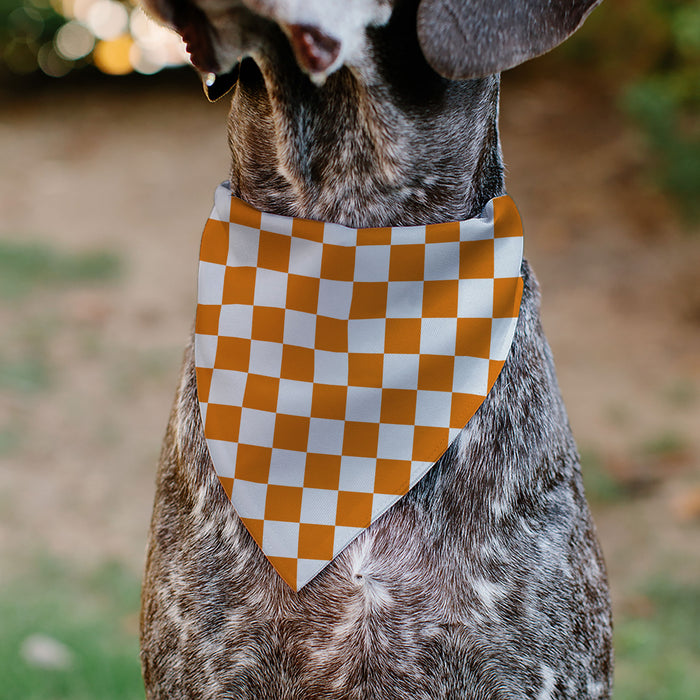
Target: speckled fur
{"x": 486, "y": 581}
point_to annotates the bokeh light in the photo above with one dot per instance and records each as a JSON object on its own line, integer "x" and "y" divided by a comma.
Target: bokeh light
{"x": 74, "y": 40}
{"x": 57, "y": 36}
{"x": 26, "y": 21}
{"x": 20, "y": 56}
{"x": 51, "y": 62}
{"x": 112, "y": 56}
{"x": 107, "y": 19}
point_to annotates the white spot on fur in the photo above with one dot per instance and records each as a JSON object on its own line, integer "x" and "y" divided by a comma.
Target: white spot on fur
{"x": 596, "y": 689}
{"x": 500, "y": 507}
{"x": 201, "y": 506}
{"x": 487, "y": 592}
{"x": 548, "y": 680}
{"x": 357, "y": 553}
{"x": 375, "y": 593}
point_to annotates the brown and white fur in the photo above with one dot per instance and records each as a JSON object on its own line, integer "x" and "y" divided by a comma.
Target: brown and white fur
{"x": 486, "y": 581}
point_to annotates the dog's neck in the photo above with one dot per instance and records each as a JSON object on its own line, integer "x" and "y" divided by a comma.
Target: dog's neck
{"x": 389, "y": 143}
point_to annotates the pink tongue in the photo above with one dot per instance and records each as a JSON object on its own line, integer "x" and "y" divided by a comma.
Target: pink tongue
{"x": 314, "y": 50}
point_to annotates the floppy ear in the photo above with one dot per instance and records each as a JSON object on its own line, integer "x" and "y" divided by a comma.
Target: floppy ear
{"x": 473, "y": 38}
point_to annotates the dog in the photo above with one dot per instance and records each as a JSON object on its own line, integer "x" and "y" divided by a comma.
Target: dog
{"x": 486, "y": 580}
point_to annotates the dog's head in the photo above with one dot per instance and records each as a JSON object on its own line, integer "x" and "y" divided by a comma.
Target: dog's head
{"x": 460, "y": 39}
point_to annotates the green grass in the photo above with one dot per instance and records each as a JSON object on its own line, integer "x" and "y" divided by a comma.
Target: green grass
{"x": 664, "y": 444}
{"x": 10, "y": 439}
{"x": 25, "y": 366}
{"x": 600, "y": 485}
{"x": 25, "y": 266}
{"x": 25, "y": 375}
{"x": 93, "y": 615}
{"x": 681, "y": 394}
{"x": 133, "y": 368}
{"x": 658, "y": 654}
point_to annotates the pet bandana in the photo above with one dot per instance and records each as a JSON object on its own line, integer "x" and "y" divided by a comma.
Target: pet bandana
{"x": 336, "y": 365}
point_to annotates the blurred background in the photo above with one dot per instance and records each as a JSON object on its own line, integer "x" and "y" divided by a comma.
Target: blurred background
{"x": 109, "y": 158}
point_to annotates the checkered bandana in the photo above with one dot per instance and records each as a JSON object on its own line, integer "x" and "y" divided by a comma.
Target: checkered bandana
{"x": 335, "y": 365}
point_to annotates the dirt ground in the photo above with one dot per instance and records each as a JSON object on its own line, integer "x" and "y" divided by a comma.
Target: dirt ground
{"x": 133, "y": 171}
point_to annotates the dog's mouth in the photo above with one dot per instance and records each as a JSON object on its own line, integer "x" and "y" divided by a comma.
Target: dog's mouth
{"x": 315, "y": 51}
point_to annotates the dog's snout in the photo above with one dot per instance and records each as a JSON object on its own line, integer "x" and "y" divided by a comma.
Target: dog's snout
{"x": 315, "y": 51}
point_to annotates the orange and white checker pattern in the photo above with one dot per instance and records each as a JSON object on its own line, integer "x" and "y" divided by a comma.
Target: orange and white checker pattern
{"x": 336, "y": 365}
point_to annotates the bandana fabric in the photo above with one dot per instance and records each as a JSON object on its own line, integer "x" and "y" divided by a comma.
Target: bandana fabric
{"x": 336, "y": 365}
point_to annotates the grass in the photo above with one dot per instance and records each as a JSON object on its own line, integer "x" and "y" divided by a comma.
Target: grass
{"x": 93, "y": 615}
{"x": 132, "y": 368}
{"x": 9, "y": 438}
{"x": 24, "y": 355}
{"x": 658, "y": 654}
{"x": 681, "y": 394}
{"x": 646, "y": 466}
{"x": 600, "y": 485}
{"x": 24, "y": 266}
{"x": 25, "y": 375}
{"x": 27, "y": 267}
{"x": 664, "y": 444}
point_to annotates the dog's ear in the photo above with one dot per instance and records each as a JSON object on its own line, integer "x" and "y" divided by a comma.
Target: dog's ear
{"x": 473, "y": 38}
